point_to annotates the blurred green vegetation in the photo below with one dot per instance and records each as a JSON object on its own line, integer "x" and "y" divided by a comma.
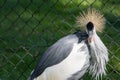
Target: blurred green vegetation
{"x": 29, "y": 27}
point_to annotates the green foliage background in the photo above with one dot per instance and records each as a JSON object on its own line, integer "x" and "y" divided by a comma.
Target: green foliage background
{"x": 29, "y": 27}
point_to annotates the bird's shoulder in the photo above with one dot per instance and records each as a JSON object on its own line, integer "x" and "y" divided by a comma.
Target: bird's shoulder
{"x": 58, "y": 51}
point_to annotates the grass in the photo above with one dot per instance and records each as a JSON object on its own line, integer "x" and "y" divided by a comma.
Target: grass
{"x": 27, "y": 29}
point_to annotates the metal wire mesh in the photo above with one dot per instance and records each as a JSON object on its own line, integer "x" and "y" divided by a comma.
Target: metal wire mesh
{"x": 29, "y": 27}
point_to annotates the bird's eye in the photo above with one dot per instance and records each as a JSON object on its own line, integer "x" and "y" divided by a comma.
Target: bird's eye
{"x": 90, "y": 26}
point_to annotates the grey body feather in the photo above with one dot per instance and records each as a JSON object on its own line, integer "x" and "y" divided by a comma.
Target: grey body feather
{"x": 57, "y": 52}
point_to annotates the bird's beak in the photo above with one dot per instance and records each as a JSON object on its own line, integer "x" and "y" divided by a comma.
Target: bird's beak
{"x": 90, "y": 39}
{"x": 90, "y": 29}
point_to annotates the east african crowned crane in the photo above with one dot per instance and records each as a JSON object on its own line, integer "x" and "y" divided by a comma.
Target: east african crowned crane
{"x": 73, "y": 55}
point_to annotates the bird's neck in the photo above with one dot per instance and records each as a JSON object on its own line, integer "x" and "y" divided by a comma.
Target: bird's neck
{"x": 99, "y": 57}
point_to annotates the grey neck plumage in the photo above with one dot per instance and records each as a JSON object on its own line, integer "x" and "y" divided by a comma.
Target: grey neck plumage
{"x": 99, "y": 57}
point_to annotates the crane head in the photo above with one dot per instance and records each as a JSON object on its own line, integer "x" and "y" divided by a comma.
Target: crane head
{"x": 90, "y": 31}
{"x": 91, "y": 21}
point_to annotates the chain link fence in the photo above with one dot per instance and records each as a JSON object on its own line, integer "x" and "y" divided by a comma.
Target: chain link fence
{"x": 29, "y": 27}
